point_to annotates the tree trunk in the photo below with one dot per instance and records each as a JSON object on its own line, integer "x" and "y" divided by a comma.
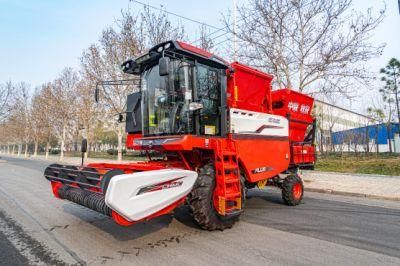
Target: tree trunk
{"x": 47, "y": 149}
{"x": 36, "y": 148}
{"x": 86, "y": 135}
{"x": 120, "y": 135}
{"x": 19, "y": 149}
{"x": 62, "y": 143}
{"x": 321, "y": 149}
{"x": 26, "y": 150}
{"x": 88, "y": 147}
{"x": 13, "y": 149}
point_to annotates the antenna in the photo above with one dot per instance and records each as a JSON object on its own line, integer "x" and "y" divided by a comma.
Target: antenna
{"x": 234, "y": 31}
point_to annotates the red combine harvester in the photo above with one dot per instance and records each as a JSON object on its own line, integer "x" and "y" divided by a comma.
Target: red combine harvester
{"x": 221, "y": 130}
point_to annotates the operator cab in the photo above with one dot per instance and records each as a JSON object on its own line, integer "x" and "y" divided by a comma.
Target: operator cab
{"x": 182, "y": 91}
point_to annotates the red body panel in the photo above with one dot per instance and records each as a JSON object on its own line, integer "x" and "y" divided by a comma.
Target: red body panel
{"x": 302, "y": 154}
{"x": 263, "y": 159}
{"x": 297, "y": 107}
{"x": 252, "y": 154}
{"x": 249, "y": 89}
{"x": 194, "y": 49}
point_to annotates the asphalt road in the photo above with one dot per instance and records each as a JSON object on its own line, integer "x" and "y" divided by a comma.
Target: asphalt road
{"x": 326, "y": 229}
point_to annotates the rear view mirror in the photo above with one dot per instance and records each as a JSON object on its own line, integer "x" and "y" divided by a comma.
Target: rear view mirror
{"x": 163, "y": 65}
{"x": 96, "y": 94}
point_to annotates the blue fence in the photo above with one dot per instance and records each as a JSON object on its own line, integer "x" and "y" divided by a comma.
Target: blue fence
{"x": 363, "y": 134}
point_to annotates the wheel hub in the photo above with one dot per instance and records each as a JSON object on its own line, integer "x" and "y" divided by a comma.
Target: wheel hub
{"x": 297, "y": 191}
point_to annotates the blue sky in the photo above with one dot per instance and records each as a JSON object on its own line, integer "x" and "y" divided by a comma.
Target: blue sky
{"x": 39, "y": 38}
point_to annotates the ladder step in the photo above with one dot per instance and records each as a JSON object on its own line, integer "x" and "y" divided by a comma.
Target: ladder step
{"x": 228, "y": 153}
{"x": 231, "y": 180}
{"x": 230, "y": 165}
{"x": 232, "y": 213}
{"x": 232, "y": 195}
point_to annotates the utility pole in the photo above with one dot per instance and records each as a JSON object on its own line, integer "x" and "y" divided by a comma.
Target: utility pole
{"x": 399, "y": 5}
{"x": 234, "y": 31}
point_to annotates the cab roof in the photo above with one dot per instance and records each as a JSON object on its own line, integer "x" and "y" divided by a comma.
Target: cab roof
{"x": 188, "y": 50}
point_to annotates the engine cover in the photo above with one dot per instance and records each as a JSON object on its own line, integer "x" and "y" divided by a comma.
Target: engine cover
{"x": 138, "y": 195}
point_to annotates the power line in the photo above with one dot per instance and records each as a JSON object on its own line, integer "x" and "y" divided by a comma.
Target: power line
{"x": 221, "y": 35}
{"x": 212, "y": 33}
{"x": 221, "y": 29}
{"x": 175, "y": 14}
{"x": 228, "y": 39}
{"x": 198, "y": 22}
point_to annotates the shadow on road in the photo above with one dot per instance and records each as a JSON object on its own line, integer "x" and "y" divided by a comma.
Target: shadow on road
{"x": 120, "y": 233}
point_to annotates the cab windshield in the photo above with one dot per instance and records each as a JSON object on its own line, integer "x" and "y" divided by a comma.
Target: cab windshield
{"x": 166, "y": 99}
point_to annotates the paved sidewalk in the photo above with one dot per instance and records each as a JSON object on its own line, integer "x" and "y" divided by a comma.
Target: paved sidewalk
{"x": 361, "y": 185}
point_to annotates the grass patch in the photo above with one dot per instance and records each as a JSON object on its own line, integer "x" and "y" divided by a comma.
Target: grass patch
{"x": 381, "y": 164}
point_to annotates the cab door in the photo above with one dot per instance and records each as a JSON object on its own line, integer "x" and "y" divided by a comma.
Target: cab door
{"x": 209, "y": 95}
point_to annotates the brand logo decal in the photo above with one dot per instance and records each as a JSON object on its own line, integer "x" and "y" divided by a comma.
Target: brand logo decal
{"x": 294, "y": 107}
{"x": 177, "y": 182}
{"x": 274, "y": 120}
{"x": 262, "y": 169}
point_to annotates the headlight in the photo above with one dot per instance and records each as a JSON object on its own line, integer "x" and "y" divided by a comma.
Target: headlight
{"x": 159, "y": 49}
{"x": 166, "y": 46}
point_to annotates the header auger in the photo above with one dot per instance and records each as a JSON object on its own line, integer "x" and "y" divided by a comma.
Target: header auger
{"x": 221, "y": 130}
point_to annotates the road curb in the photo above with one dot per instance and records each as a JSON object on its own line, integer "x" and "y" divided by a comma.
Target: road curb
{"x": 351, "y": 194}
{"x": 316, "y": 172}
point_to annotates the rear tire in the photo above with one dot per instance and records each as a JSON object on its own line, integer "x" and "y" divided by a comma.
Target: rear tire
{"x": 201, "y": 202}
{"x": 292, "y": 190}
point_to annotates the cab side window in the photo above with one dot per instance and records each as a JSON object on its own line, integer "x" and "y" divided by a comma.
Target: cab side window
{"x": 209, "y": 88}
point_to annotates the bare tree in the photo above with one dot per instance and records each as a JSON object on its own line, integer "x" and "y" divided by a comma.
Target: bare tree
{"x": 41, "y": 117}
{"x": 102, "y": 62}
{"x": 19, "y": 116}
{"x": 327, "y": 120}
{"x": 8, "y": 123}
{"x": 62, "y": 96}
{"x": 6, "y": 93}
{"x": 132, "y": 36}
{"x": 88, "y": 112}
{"x": 204, "y": 41}
{"x": 158, "y": 28}
{"x": 315, "y": 46}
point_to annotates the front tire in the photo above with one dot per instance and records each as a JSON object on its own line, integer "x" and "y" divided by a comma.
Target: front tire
{"x": 292, "y": 190}
{"x": 201, "y": 202}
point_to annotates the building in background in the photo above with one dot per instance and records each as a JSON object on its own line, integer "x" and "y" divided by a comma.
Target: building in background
{"x": 342, "y": 130}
